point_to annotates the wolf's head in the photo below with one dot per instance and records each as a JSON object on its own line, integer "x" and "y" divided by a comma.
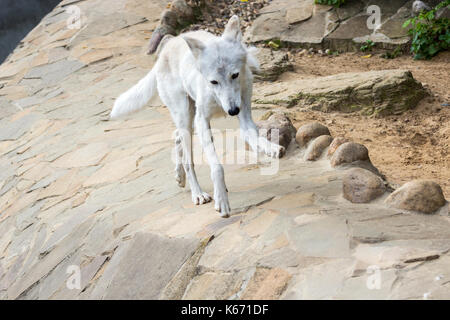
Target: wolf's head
{"x": 221, "y": 62}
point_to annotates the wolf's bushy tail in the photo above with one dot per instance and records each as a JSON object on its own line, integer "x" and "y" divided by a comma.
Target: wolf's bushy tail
{"x": 136, "y": 97}
{"x": 252, "y": 61}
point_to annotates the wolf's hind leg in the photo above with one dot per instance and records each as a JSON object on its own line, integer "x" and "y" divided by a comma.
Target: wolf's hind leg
{"x": 180, "y": 174}
{"x": 182, "y": 110}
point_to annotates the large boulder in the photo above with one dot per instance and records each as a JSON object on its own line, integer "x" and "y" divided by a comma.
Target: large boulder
{"x": 310, "y": 131}
{"x": 417, "y": 195}
{"x": 362, "y": 186}
{"x": 272, "y": 64}
{"x": 377, "y": 93}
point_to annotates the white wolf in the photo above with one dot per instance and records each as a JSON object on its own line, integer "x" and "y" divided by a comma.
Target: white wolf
{"x": 199, "y": 76}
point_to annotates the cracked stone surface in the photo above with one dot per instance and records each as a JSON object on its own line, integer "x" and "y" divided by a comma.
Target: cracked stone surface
{"x": 305, "y": 23}
{"x": 83, "y": 195}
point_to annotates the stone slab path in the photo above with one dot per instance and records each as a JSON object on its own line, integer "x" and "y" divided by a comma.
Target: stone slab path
{"x": 89, "y": 208}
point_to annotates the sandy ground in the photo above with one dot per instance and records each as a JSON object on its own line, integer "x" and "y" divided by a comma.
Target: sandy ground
{"x": 413, "y": 145}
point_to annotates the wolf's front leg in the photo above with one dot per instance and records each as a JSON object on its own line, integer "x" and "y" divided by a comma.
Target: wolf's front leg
{"x": 217, "y": 174}
{"x": 249, "y": 132}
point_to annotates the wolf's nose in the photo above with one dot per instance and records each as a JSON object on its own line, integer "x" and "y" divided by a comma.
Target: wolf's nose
{"x": 233, "y": 111}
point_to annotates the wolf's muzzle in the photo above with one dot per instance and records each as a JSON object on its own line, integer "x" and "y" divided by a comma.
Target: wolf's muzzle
{"x": 233, "y": 111}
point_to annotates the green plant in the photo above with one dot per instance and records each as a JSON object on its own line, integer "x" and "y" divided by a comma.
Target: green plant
{"x": 429, "y": 34}
{"x": 335, "y": 3}
{"x": 275, "y": 44}
{"x": 367, "y": 46}
{"x": 333, "y": 53}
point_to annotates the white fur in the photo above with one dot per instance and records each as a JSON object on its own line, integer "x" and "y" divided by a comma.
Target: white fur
{"x": 183, "y": 73}
{"x": 136, "y": 97}
{"x": 251, "y": 59}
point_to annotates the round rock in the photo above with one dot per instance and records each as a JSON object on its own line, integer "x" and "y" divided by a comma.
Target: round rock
{"x": 317, "y": 146}
{"x": 336, "y": 144}
{"x": 362, "y": 186}
{"x": 349, "y": 152}
{"x": 310, "y": 131}
{"x": 418, "y": 195}
{"x": 280, "y": 122}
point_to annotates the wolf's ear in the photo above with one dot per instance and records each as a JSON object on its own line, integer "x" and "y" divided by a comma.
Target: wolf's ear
{"x": 232, "y": 29}
{"x": 195, "y": 45}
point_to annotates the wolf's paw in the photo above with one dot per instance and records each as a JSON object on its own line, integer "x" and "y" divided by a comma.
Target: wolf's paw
{"x": 275, "y": 151}
{"x": 201, "y": 198}
{"x": 180, "y": 176}
{"x": 221, "y": 205}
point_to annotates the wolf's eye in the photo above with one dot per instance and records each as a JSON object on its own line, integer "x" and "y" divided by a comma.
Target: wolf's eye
{"x": 235, "y": 75}
{"x": 214, "y": 82}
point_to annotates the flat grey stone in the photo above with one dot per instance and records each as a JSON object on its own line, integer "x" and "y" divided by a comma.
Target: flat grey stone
{"x": 87, "y": 271}
{"x": 302, "y": 10}
{"x": 28, "y": 217}
{"x": 148, "y": 265}
{"x": 350, "y": 10}
{"x": 6, "y": 108}
{"x": 419, "y": 277}
{"x": 282, "y": 258}
{"x": 385, "y": 226}
{"x": 54, "y": 72}
{"x": 42, "y": 267}
{"x": 75, "y": 218}
{"x": 310, "y": 31}
{"x": 106, "y": 24}
{"x": 14, "y": 130}
{"x": 55, "y": 281}
{"x": 46, "y": 181}
{"x": 327, "y": 237}
{"x": 354, "y": 27}
{"x": 270, "y": 24}
{"x": 306, "y": 23}
{"x": 393, "y": 27}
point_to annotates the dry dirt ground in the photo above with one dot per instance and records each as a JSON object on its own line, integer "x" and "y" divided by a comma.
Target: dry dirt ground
{"x": 413, "y": 145}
